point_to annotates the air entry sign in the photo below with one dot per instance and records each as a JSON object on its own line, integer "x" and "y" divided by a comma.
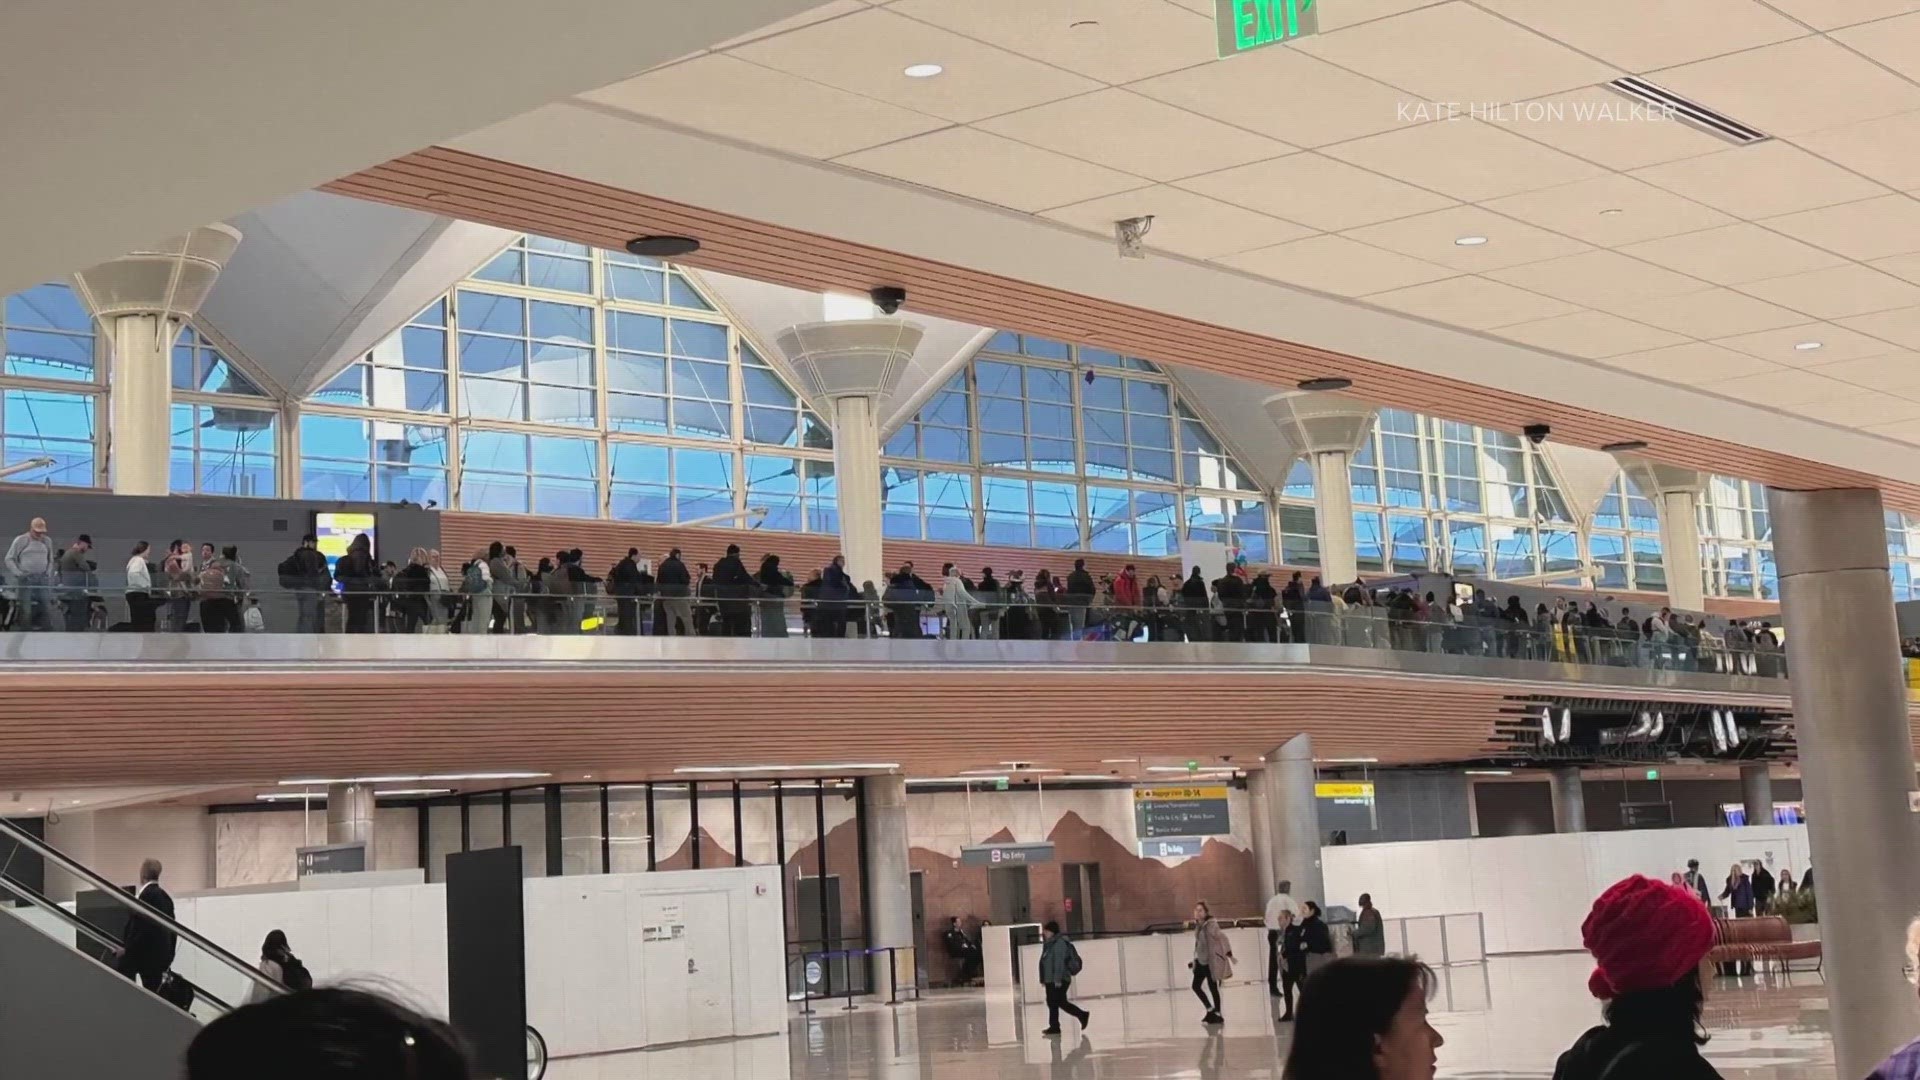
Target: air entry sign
{"x": 1242, "y": 25}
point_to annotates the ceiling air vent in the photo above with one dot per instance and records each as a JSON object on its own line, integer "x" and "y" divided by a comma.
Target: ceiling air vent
{"x": 1659, "y": 97}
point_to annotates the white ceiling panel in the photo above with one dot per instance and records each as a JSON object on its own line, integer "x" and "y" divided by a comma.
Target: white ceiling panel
{"x": 1458, "y": 53}
{"x": 1829, "y": 86}
{"x": 1886, "y": 149}
{"x": 1782, "y": 346}
{"x": 1334, "y": 264}
{"x": 1316, "y": 191}
{"x": 1125, "y": 131}
{"x": 764, "y": 106}
{"x": 1435, "y": 237}
{"x": 1837, "y": 292}
{"x": 1465, "y": 159}
{"x": 1610, "y": 211}
{"x": 1733, "y": 254}
{"x": 1321, "y": 104}
{"x": 1474, "y": 302}
{"x": 868, "y": 52}
{"x": 1590, "y": 334}
{"x": 992, "y": 169}
{"x": 1692, "y": 364}
{"x": 1784, "y": 388}
{"x": 831, "y": 10}
{"x": 1763, "y": 180}
{"x": 1598, "y": 279}
{"x": 1894, "y": 42}
{"x": 1861, "y": 409}
{"x": 1606, "y": 128}
{"x": 1868, "y": 229}
{"x": 1831, "y": 14}
{"x": 1709, "y": 313}
{"x": 1900, "y": 327}
{"x": 1893, "y": 372}
{"x": 1642, "y": 35}
{"x": 1183, "y": 223}
{"x": 1114, "y": 41}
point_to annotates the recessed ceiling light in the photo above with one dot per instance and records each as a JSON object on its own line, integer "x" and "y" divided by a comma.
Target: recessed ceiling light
{"x": 1470, "y": 241}
{"x": 406, "y": 779}
{"x": 1625, "y": 446}
{"x": 1808, "y": 346}
{"x": 663, "y": 247}
{"x": 1487, "y": 772}
{"x": 1325, "y": 382}
{"x": 1611, "y": 211}
{"x": 922, "y": 71}
{"x": 837, "y": 766}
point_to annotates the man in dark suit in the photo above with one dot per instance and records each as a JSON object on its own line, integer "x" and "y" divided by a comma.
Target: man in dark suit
{"x": 147, "y": 946}
{"x": 733, "y": 588}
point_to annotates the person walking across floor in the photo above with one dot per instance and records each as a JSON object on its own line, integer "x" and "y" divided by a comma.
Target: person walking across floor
{"x": 1059, "y": 963}
{"x": 1212, "y": 961}
{"x": 140, "y": 601}
{"x": 1316, "y": 941}
{"x": 1369, "y": 930}
{"x": 1762, "y": 887}
{"x": 1696, "y": 881}
{"x": 1647, "y": 939}
{"x": 30, "y": 565}
{"x": 1738, "y": 892}
{"x": 147, "y": 947}
{"x": 1280, "y": 913}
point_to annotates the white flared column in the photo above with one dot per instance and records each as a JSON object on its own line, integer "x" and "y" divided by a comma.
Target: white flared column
{"x": 889, "y": 883}
{"x": 1292, "y": 831}
{"x": 855, "y": 364}
{"x": 1569, "y": 800}
{"x": 141, "y": 300}
{"x": 350, "y": 816}
{"x": 1329, "y": 428}
{"x": 1856, "y": 759}
{"x": 1675, "y": 493}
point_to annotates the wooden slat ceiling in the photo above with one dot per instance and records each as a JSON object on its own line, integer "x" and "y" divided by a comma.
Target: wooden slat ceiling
{"x": 517, "y": 197}
{"x": 189, "y": 724}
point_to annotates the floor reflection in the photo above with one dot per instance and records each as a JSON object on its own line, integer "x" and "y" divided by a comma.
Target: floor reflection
{"x": 1509, "y": 1018}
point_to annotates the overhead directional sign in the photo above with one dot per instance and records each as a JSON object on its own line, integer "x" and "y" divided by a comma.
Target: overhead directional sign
{"x": 1182, "y": 810}
{"x": 1177, "y": 847}
{"x": 1006, "y": 854}
{"x": 1252, "y": 24}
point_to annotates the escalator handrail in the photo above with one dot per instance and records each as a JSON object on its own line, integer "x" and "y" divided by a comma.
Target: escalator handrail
{"x": 82, "y": 926}
{"x": 133, "y": 904}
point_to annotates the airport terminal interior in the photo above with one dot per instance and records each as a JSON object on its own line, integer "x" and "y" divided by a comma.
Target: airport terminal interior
{"x": 776, "y": 539}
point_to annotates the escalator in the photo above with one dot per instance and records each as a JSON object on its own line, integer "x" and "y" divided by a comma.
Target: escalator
{"x": 66, "y": 1014}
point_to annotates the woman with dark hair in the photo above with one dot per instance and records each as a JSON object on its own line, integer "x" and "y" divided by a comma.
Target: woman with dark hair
{"x": 775, "y": 585}
{"x": 1365, "y": 1018}
{"x": 324, "y": 1035}
{"x": 1212, "y": 962}
{"x": 278, "y": 963}
{"x": 1316, "y": 941}
{"x": 1647, "y": 939}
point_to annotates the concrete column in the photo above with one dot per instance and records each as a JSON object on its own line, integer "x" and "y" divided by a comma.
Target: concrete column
{"x": 1569, "y": 800}
{"x": 141, "y": 300}
{"x": 1756, "y": 791}
{"x": 350, "y": 816}
{"x": 1856, "y": 759}
{"x": 889, "y": 878}
{"x": 1292, "y": 835}
{"x": 1675, "y": 493}
{"x": 856, "y": 467}
{"x": 855, "y": 364}
{"x": 1329, "y": 428}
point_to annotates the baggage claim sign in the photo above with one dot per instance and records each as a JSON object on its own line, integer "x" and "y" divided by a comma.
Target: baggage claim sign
{"x": 1174, "y": 821}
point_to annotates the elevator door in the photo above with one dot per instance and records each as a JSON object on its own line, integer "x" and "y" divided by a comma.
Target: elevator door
{"x": 1086, "y": 905}
{"x": 1008, "y": 895}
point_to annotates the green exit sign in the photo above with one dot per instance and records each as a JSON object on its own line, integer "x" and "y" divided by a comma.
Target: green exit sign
{"x": 1653, "y": 774}
{"x": 1250, "y": 24}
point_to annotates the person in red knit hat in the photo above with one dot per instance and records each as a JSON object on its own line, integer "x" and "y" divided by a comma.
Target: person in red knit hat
{"x": 1647, "y": 939}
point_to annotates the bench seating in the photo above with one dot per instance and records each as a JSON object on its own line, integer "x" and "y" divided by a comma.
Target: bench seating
{"x": 1761, "y": 940}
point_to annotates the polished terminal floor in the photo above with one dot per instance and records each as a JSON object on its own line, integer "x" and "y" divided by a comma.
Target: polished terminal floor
{"x": 1509, "y": 1018}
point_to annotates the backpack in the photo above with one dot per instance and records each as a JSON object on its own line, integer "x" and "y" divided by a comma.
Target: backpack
{"x": 295, "y": 974}
{"x": 471, "y": 581}
{"x": 213, "y": 581}
{"x": 1073, "y": 960}
{"x": 289, "y": 571}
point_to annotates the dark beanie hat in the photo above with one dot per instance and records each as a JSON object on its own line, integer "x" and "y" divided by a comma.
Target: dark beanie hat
{"x": 1644, "y": 935}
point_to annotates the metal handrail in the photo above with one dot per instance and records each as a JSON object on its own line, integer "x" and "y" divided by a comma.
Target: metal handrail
{"x": 82, "y": 926}
{"x": 85, "y": 873}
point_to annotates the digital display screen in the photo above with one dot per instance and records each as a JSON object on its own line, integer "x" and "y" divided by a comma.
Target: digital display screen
{"x": 334, "y": 531}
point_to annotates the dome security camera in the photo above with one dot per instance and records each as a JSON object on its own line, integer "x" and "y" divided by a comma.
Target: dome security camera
{"x": 887, "y": 298}
{"x": 1537, "y": 433}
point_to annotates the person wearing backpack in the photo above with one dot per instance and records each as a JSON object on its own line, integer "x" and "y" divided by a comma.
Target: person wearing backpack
{"x": 1059, "y": 963}
{"x": 218, "y": 613}
{"x": 278, "y": 963}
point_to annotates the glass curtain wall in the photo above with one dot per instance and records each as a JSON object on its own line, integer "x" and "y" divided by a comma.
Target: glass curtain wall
{"x": 52, "y": 388}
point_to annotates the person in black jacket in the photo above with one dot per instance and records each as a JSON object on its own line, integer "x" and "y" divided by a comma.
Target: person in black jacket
{"x": 676, "y": 610}
{"x": 733, "y": 589}
{"x": 810, "y": 605}
{"x": 305, "y": 575}
{"x": 1079, "y": 597}
{"x": 775, "y": 585}
{"x": 1262, "y": 623}
{"x": 1232, "y": 591}
{"x": 905, "y": 593}
{"x": 410, "y": 588}
{"x": 146, "y": 947}
{"x": 623, "y": 584}
{"x": 1198, "y": 609}
{"x": 359, "y": 581}
{"x": 836, "y": 589}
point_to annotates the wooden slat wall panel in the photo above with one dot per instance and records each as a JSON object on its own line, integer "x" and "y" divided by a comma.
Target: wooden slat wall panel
{"x": 512, "y": 196}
